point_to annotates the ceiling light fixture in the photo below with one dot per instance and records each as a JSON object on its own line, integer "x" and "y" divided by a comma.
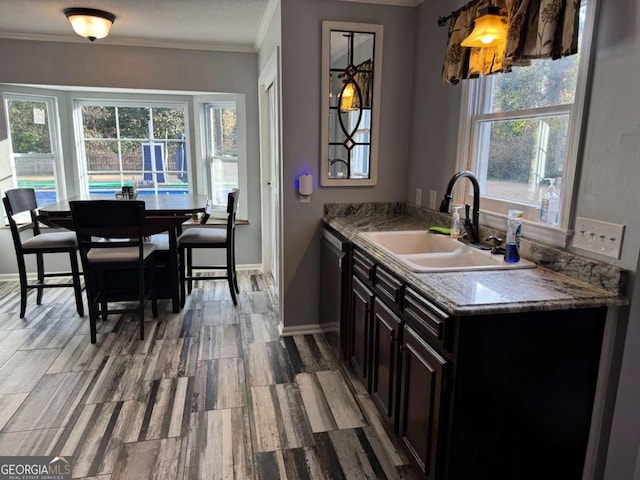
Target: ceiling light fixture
{"x": 90, "y": 23}
{"x": 490, "y": 29}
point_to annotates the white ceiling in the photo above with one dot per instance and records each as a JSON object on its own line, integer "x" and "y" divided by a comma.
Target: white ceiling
{"x": 202, "y": 24}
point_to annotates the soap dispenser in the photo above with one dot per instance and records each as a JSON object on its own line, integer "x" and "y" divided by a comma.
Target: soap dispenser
{"x": 455, "y": 223}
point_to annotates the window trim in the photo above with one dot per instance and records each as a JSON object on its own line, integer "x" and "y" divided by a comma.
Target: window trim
{"x": 473, "y": 100}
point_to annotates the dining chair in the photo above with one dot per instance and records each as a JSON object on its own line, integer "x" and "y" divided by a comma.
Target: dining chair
{"x": 20, "y": 201}
{"x": 204, "y": 237}
{"x": 114, "y": 257}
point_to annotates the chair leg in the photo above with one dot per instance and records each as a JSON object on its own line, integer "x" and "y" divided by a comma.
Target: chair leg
{"x": 101, "y": 296}
{"x": 232, "y": 288}
{"x": 141, "y": 299}
{"x": 92, "y": 327}
{"x": 40, "y": 266}
{"x": 154, "y": 293}
{"x": 22, "y": 272}
{"x": 93, "y": 314}
{"x": 77, "y": 288}
{"x": 189, "y": 269}
{"x": 181, "y": 269}
{"x": 235, "y": 274}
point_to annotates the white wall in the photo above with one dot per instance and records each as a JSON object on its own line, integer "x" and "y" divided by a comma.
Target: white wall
{"x": 301, "y": 76}
{"x": 96, "y": 65}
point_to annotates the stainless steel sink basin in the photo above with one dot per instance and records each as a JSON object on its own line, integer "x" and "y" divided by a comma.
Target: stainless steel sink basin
{"x": 421, "y": 251}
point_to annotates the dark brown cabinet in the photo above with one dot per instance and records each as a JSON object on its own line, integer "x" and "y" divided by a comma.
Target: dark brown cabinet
{"x": 335, "y": 277}
{"x": 421, "y": 402}
{"x": 384, "y": 362}
{"x": 483, "y": 396}
{"x": 360, "y": 329}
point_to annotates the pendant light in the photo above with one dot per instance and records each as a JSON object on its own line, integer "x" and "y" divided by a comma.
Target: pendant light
{"x": 489, "y": 30}
{"x": 348, "y": 94}
{"x": 347, "y": 97}
{"x": 89, "y": 22}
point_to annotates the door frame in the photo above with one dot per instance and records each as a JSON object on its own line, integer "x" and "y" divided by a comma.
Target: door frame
{"x": 270, "y": 75}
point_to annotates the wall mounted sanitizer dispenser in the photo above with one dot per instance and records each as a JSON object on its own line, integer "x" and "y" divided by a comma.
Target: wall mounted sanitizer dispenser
{"x": 305, "y": 187}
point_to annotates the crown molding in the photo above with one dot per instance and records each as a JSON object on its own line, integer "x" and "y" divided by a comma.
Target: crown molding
{"x": 130, "y": 43}
{"x": 396, "y": 3}
{"x": 272, "y": 5}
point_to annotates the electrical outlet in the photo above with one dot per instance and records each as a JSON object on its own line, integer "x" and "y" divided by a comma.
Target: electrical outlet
{"x": 433, "y": 198}
{"x": 598, "y": 237}
{"x": 418, "y": 196}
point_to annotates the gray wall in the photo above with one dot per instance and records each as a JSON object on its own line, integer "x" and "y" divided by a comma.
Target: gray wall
{"x": 607, "y": 184}
{"x": 95, "y": 65}
{"x": 608, "y": 190}
{"x": 436, "y": 107}
{"x": 301, "y": 58}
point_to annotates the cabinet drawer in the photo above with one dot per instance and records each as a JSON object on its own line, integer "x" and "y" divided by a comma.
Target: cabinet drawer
{"x": 388, "y": 286}
{"x": 363, "y": 266}
{"x": 425, "y": 318}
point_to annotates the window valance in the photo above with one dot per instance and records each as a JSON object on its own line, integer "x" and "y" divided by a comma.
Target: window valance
{"x": 536, "y": 29}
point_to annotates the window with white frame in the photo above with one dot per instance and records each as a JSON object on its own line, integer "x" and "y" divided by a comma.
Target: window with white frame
{"x": 133, "y": 143}
{"x": 520, "y": 133}
{"x": 35, "y": 144}
{"x": 224, "y": 143}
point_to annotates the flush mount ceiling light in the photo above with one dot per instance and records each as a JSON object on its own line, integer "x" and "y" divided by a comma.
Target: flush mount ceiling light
{"x": 90, "y": 23}
{"x": 490, "y": 29}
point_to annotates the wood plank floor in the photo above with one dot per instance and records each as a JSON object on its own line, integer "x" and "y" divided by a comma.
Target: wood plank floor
{"x": 211, "y": 393}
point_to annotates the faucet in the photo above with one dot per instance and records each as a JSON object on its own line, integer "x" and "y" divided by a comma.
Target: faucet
{"x": 471, "y": 226}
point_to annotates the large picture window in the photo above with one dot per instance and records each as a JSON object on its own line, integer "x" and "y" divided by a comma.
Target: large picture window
{"x": 143, "y": 145}
{"x": 521, "y": 130}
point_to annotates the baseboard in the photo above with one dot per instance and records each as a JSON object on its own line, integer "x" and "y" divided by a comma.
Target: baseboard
{"x": 287, "y": 331}
{"x": 13, "y": 277}
{"x": 249, "y": 266}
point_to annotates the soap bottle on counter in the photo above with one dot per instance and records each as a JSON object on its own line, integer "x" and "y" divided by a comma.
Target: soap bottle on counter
{"x": 514, "y": 230}
{"x": 455, "y": 223}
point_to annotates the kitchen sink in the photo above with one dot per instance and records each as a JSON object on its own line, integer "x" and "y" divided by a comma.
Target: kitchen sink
{"x": 422, "y": 251}
{"x": 412, "y": 241}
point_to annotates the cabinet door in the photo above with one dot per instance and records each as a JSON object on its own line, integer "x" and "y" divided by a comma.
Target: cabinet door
{"x": 421, "y": 402}
{"x": 384, "y": 364}
{"x": 331, "y": 293}
{"x": 360, "y": 331}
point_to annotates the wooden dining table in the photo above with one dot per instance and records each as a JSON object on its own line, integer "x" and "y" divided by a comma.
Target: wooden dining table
{"x": 164, "y": 213}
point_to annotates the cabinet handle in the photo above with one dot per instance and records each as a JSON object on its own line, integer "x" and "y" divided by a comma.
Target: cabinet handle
{"x": 392, "y": 338}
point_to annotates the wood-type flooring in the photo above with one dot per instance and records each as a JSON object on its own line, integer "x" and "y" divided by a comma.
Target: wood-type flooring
{"x": 212, "y": 392}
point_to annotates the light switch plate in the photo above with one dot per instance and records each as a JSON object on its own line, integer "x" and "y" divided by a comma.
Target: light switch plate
{"x": 598, "y": 237}
{"x": 433, "y": 198}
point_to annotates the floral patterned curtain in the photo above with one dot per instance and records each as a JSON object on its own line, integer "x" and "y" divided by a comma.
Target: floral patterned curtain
{"x": 542, "y": 29}
{"x": 537, "y": 29}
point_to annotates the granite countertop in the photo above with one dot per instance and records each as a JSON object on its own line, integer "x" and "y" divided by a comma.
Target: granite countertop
{"x": 485, "y": 292}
